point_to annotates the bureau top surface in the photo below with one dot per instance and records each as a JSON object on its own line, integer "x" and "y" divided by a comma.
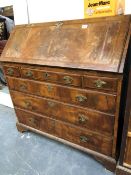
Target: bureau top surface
{"x": 93, "y": 44}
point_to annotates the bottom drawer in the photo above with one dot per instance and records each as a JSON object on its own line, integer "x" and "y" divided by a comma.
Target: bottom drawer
{"x": 75, "y": 135}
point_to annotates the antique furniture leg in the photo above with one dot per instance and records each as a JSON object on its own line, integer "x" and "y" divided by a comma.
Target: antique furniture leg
{"x": 21, "y": 128}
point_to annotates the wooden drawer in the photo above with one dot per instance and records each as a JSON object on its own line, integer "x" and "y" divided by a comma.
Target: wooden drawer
{"x": 36, "y": 121}
{"x": 28, "y": 119}
{"x": 83, "y": 138}
{"x": 127, "y": 158}
{"x": 95, "y": 100}
{"x": 81, "y": 117}
{"x": 56, "y": 77}
{"x": 101, "y": 83}
{"x": 11, "y": 71}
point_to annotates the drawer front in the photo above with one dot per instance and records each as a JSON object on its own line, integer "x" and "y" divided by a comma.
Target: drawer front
{"x": 127, "y": 158}
{"x": 99, "y": 101}
{"x": 60, "y": 78}
{"x": 73, "y": 134}
{"x": 84, "y": 138}
{"x": 28, "y": 119}
{"x": 11, "y": 71}
{"x": 35, "y": 121}
{"x": 81, "y": 117}
{"x": 101, "y": 83}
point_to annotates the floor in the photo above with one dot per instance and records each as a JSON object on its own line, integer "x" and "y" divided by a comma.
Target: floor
{"x": 33, "y": 154}
{"x": 5, "y": 97}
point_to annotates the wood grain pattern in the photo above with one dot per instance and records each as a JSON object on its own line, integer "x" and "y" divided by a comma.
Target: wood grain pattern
{"x": 11, "y": 71}
{"x": 65, "y": 81}
{"x": 106, "y": 161}
{"x": 81, "y": 117}
{"x": 92, "y": 99}
{"x": 101, "y": 83}
{"x": 62, "y": 130}
{"x": 55, "y": 77}
{"x": 71, "y": 45}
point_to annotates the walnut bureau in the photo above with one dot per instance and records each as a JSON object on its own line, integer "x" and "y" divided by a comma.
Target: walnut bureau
{"x": 65, "y": 81}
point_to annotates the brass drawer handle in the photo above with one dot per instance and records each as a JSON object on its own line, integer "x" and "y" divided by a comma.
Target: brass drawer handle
{"x": 23, "y": 87}
{"x": 99, "y": 83}
{"x": 51, "y": 104}
{"x": 29, "y": 74}
{"x": 28, "y": 104}
{"x": 46, "y": 75}
{"x": 67, "y": 79}
{"x": 84, "y": 139}
{"x": 10, "y": 71}
{"x": 81, "y": 98}
{"x": 82, "y": 118}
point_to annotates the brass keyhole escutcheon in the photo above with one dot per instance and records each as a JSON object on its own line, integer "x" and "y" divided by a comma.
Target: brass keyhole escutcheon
{"x": 99, "y": 83}
{"x": 84, "y": 139}
{"x": 10, "y": 71}
{"x": 29, "y": 74}
{"x": 46, "y": 75}
{"x": 31, "y": 120}
{"x": 68, "y": 79}
{"x": 81, "y": 98}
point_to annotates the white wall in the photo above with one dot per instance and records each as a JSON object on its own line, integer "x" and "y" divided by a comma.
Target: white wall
{"x": 4, "y": 3}
{"x": 52, "y": 10}
{"x": 128, "y": 7}
{"x": 49, "y": 10}
{"x": 20, "y": 10}
{"x": 55, "y": 10}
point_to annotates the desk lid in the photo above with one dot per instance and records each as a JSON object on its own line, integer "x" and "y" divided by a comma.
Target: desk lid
{"x": 93, "y": 44}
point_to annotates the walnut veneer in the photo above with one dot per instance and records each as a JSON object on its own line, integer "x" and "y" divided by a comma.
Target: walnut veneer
{"x": 65, "y": 81}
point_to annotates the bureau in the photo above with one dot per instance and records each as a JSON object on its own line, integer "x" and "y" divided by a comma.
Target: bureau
{"x": 65, "y": 81}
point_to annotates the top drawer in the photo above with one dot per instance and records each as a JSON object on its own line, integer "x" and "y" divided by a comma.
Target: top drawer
{"x": 102, "y": 83}
{"x": 11, "y": 71}
{"x": 55, "y": 77}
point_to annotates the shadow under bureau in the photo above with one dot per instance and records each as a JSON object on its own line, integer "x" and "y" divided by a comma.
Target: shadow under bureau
{"x": 65, "y": 81}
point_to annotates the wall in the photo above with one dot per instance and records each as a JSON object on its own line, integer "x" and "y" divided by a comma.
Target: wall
{"x": 55, "y": 10}
{"x": 49, "y": 10}
{"x": 20, "y": 10}
{"x": 128, "y": 7}
{"x": 4, "y": 3}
